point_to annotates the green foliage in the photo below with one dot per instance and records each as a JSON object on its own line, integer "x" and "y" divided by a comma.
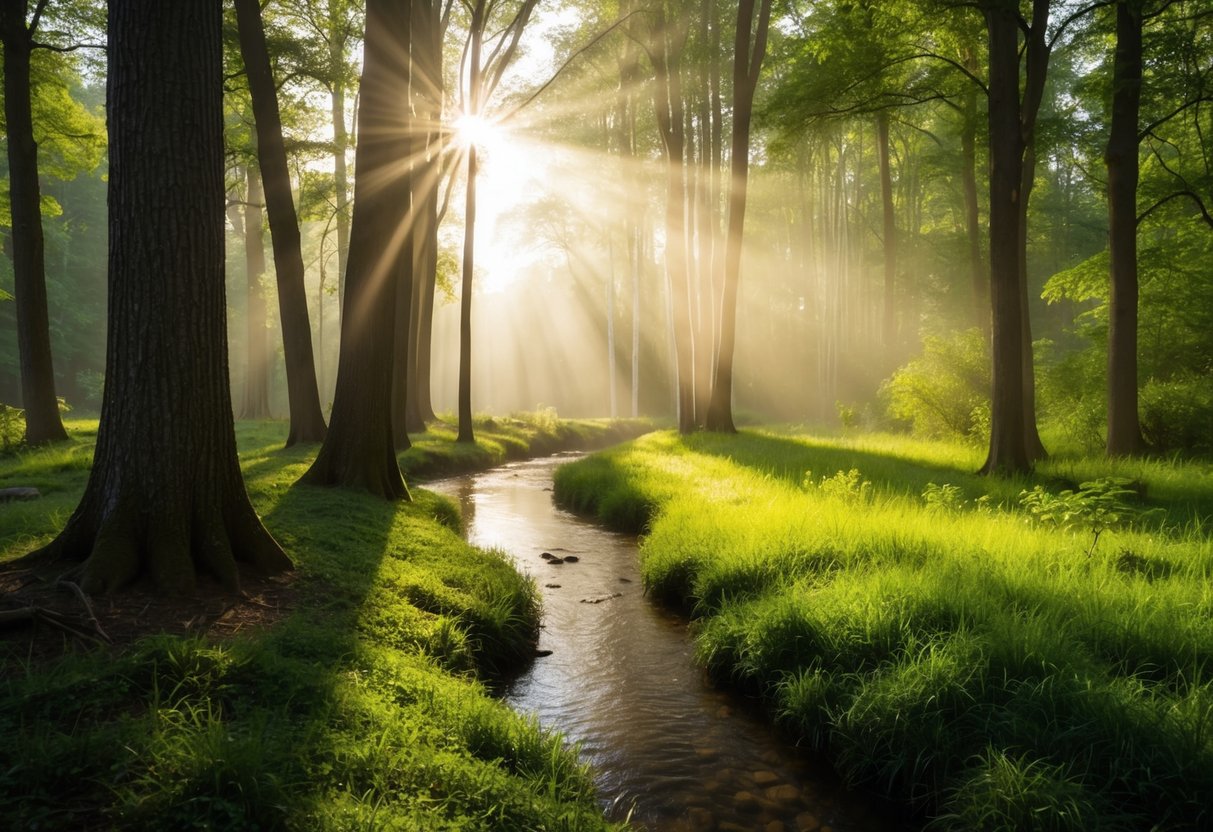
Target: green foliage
{"x": 944, "y": 393}
{"x": 12, "y": 428}
{"x": 980, "y": 668}
{"x": 845, "y": 486}
{"x": 1176, "y": 414}
{"x": 1097, "y": 506}
{"x": 363, "y": 708}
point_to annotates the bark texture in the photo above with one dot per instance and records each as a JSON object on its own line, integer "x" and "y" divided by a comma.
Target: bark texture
{"x": 165, "y": 497}
{"x": 1008, "y": 451}
{"x": 1121, "y": 159}
{"x": 466, "y": 433}
{"x": 307, "y": 420}
{"x": 889, "y": 226}
{"x": 256, "y": 375}
{"x": 359, "y": 451}
{"x": 747, "y": 61}
{"x": 42, "y": 421}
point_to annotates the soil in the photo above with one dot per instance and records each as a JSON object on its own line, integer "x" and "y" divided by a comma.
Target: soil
{"x": 112, "y": 622}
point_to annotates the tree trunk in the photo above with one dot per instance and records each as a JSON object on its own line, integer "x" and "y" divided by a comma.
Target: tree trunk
{"x": 466, "y": 433}
{"x": 968, "y": 176}
{"x": 256, "y": 375}
{"x": 341, "y": 143}
{"x": 165, "y": 496}
{"x": 747, "y": 62}
{"x": 428, "y": 89}
{"x": 42, "y": 421}
{"x": 404, "y": 323}
{"x": 359, "y": 451}
{"x": 307, "y": 421}
{"x": 667, "y": 95}
{"x": 1121, "y": 158}
{"x": 1008, "y": 452}
{"x": 890, "y": 232}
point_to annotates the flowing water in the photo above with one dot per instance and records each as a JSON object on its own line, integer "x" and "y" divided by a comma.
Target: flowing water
{"x": 666, "y": 747}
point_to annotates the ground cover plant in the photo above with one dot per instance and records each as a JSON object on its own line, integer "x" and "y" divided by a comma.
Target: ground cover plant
{"x": 364, "y": 706}
{"x": 998, "y": 653}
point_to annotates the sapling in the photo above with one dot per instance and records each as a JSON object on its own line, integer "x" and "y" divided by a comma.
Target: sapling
{"x": 1098, "y": 505}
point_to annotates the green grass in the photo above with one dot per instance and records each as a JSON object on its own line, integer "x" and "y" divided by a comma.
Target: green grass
{"x": 977, "y": 665}
{"x": 366, "y": 708}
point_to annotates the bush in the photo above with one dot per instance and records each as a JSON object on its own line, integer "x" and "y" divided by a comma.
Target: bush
{"x": 944, "y": 393}
{"x": 1176, "y": 414}
{"x": 12, "y": 428}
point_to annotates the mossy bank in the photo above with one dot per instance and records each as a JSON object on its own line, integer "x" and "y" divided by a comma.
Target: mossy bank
{"x": 365, "y": 707}
{"x": 995, "y": 666}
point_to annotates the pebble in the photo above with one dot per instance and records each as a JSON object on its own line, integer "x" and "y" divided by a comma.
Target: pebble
{"x": 551, "y": 586}
{"x": 775, "y": 826}
{"x": 746, "y": 801}
{"x": 807, "y": 822}
{"x": 784, "y": 793}
{"x": 765, "y": 778}
{"x": 700, "y": 820}
{"x": 571, "y": 558}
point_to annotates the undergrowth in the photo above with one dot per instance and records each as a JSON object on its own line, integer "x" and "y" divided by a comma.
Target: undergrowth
{"x": 999, "y": 654}
{"x": 366, "y": 708}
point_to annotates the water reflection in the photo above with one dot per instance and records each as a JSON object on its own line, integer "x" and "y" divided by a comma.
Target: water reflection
{"x": 676, "y": 753}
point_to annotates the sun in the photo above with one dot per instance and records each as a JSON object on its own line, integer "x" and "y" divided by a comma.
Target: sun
{"x": 479, "y": 131}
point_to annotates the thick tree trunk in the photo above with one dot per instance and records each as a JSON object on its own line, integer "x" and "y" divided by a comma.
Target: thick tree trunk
{"x": 1121, "y": 158}
{"x": 256, "y": 375}
{"x": 165, "y": 496}
{"x": 890, "y": 230}
{"x": 747, "y": 61}
{"x": 1008, "y": 453}
{"x": 359, "y": 451}
{"x": 42, "y": 421}
{"x": 307, "y": 421}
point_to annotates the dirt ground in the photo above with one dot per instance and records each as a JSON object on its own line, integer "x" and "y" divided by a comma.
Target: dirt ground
{"x": 43, "y": 616}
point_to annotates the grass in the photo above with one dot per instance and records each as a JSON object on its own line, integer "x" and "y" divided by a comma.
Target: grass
{"x": 957, "y": 655}
{"x": 365, "y": 708}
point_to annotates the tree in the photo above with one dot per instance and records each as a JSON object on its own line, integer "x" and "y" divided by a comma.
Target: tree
{"x": 1121, "y": 160}
{"x": 747, "y": 62}
{"x": 42, "y": 422}
{"x": 483, "y": 78}
{"x": 359, "y": 450}
{"x": 307, "y": 421}
{"x": 165, "y": 497}
{"x": 256, "y": 404}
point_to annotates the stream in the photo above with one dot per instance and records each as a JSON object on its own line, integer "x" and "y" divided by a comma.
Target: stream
{"x": 666, "y": 747}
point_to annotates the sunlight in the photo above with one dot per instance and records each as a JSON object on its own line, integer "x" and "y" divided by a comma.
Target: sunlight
{"x": 485, "y": 134}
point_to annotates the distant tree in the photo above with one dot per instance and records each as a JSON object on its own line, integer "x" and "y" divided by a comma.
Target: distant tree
{"x": 17, "y": 30}
{"x": 165, "y": 498}
{"x": 359, "y": 450}
{"x": 748, "y": 52}
{"x": 256, "y": 403}
{"x": 307, "y": 421}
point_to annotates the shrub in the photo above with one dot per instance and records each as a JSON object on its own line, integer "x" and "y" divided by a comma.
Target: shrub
{"x": 1176, "y": 414}
{"x": 1098, "y": 505}
{"x": 12, "y": 428}
{"x": 944, "y": 392}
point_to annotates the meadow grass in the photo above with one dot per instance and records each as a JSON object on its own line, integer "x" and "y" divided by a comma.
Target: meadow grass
{"x": 993, "y": 672}
{"x": 365, "y": 708}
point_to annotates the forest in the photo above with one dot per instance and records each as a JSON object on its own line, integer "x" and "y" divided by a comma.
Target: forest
{"x": 779, "y": 415}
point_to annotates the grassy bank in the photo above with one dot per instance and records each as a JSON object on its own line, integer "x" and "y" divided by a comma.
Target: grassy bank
{"x": 364, "y": 707}
{"x": 946, "y": 645}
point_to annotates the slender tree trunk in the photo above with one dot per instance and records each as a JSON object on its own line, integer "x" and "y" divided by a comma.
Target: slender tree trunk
{"x": 165, "y": 496}
{"x": 1008, "y": 452}
{"x": 890, "y": 231}
{"x": 42, "y": 420}
{"x": 747, "y": 62}
{"x": 1121, "y": 158}
{"x": 256, "y": 376}
{"x": 667, "y": 95}
{"x": 359, "y": 451}
{"x": 466, "y": 433}
{"x": 341, "y": 143}
{"x": 404, "y": 323}
{"x": 979, "y": 280}
{"x": 307, "y": 421}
